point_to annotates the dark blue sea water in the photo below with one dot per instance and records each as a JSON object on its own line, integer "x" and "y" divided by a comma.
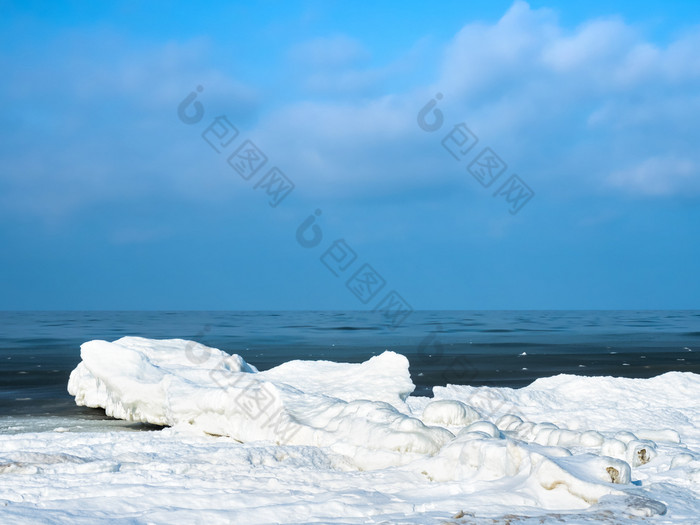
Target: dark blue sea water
{"x": 500, "y": 348}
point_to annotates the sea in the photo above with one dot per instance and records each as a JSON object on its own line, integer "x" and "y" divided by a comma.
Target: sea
{"x": 38, "y": 350}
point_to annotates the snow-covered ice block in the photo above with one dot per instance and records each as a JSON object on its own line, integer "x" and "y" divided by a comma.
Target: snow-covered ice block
{"x": 561, "y": 443}
{"x": 350, "y": 408}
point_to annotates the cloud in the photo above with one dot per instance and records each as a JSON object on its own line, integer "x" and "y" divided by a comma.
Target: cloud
{"x": 596, "y": 108}
{"x": 350, "y": 148}
{"x": 82, "y": 69}
{"x": 576, "y": 108}
{"x": 342, "y": 67}
{"x": 481, "y": 56}
{"x": 657, "y": 176}
{"x": 571, "y": 110}
{"x": 329, "y": 52}
{"x": 95, "y": 121}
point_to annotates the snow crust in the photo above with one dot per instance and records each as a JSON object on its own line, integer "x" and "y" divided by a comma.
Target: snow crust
{"x": 346, "y": 443}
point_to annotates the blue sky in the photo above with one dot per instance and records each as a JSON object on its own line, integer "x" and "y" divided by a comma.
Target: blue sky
{"x": 108, "y": 200}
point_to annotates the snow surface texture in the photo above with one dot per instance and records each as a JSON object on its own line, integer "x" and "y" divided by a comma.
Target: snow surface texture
{"x": 344, "y": 443}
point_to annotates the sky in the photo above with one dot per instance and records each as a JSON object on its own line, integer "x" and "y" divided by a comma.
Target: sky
{"x": 322, "y": 155}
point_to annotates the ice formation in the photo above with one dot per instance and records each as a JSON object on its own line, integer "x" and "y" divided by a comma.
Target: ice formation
{"x": 351, "y": 408}
{"x": 594, "y": 447}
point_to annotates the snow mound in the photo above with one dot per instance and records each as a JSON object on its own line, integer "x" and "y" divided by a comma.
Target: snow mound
{"x": 449, "y": 412}
{"x": 180, "y": 383}
{"x": 382, "y": 378}
{"x": 561, "y": 443}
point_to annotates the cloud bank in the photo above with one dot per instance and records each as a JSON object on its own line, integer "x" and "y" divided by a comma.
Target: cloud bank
{"x": 598, "y": 109}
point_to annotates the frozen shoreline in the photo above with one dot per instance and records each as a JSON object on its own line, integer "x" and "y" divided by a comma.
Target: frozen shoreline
{"x": 341, "y": 443}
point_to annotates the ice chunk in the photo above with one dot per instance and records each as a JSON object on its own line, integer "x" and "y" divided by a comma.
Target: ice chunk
{"x": 561, "y": 443}
{"x": 666, "y": 435}
{"x": 448, "y": 412}
{"x": 382, "y": 378}
{"x": 586, "y": 476}
{"x": 640, "y": 452}
{"x": 591, "y": 438}
{"x": 614, "y": 447}
{"x": 486, "y": 427}
{"x": 509, "y": 422}
{"x": 160, "y": 382}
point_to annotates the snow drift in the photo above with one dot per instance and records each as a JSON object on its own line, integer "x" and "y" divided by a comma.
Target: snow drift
{"x": 557, "y": 444}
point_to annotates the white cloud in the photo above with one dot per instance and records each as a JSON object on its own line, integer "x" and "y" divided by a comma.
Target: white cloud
{"x": 329, "y": 52}
{"x": 89, "y": 129}
{"x": 341, "y": 67}
{"x": 483, "y": 55}
{"x": 588, "y": 101}
{"x": 657, "y": 176}
{"x": 595, "y": 44}
{"x": 570, "y": 110}
{"x": 352, "y": 147}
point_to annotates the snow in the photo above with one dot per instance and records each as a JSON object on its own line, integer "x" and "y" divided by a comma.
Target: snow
{"x": 316, "y": 441}
{"x": 449, "y": 412}
{"x": 298, "y": 403}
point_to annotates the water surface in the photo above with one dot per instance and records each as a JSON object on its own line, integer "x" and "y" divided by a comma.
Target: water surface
{"x": 499, "y": 348}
